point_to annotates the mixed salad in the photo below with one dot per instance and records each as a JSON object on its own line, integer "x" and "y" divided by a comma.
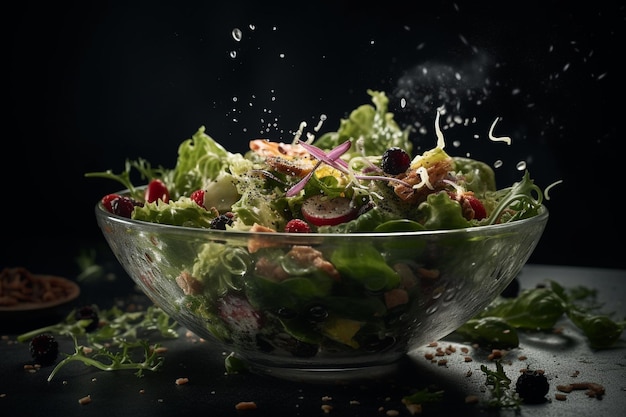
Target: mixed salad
{"x": 360, "y": 178}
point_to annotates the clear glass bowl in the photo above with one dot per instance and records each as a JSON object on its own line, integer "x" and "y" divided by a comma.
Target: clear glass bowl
{"x": 321, "y": 307}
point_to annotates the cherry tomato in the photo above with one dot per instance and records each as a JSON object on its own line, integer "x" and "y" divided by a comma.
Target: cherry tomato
{"x": 157, "y": 190}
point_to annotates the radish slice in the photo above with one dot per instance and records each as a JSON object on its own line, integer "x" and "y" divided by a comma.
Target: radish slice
{"x": 322, "y": 211}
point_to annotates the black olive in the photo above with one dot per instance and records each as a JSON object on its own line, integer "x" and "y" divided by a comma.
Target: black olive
{"x": 286, "y": 313}
{"x": 317, "y": 313}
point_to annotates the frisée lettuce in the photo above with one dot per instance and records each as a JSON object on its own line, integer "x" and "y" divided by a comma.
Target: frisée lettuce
{"x": 268, "y": 186}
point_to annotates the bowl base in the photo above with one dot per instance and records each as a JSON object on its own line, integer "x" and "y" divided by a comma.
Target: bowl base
{"x": 339, "y": 375}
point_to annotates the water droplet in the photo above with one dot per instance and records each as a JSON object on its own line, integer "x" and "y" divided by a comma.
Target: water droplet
{"x": 403, "y": 103}
{"x": 456, "y": 143}
{"x": 521, "y": 165}
{"x": 233, "y": 54}
{"x": 252, "y": 27}
{"x": 449, "y": 295}
{"x": 498, "y": 163}
{"x": 430, "y": 310}
{"x": 235, "y": 99}
{"x": 281, "y": 55}
{"x": 237, "y": 35}
{"x": 437, "y": 292}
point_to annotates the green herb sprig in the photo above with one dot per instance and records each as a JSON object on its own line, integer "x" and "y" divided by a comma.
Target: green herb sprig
{"x": 114, "y": 344}
{"x": 499, "y": 384}
{"x": 108, "y": 360}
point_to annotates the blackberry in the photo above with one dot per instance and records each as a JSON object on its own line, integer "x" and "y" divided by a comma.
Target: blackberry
{"x": 221, "y": 221}
{"x": 532, "y": 387}
{"x": 317, "y": 313}
{"x": 88, "y": 313}
{"x": 395, "y": 161}
{"x": 124, "y": 206}
{"x": 44, "y": 348}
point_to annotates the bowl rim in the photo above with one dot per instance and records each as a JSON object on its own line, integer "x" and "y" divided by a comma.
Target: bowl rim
{"x": 100, "y": 211}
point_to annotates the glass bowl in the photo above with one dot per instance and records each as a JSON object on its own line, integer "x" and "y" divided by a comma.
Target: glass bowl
{"x": 321, "y": 307}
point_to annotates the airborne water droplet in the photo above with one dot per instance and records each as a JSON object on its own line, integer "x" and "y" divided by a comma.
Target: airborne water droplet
{"x": 498, "y": 163}
{"x": 237, "y": 35}
{"x": 233, "y": 54}
{"x": 521, "y": 165}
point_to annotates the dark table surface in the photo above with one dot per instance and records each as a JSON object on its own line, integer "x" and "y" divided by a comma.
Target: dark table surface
{"x": 565, "y": 358}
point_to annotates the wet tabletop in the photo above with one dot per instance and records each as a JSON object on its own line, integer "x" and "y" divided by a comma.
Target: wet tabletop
{"x": 564, "y": 356}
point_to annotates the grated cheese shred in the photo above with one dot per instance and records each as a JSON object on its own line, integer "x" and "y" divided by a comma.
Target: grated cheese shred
{"x": 549, "y": 187}
{"x": 424, "y": 179}
{"x": 493, "y": 138}
{"x": 441, "y": 143}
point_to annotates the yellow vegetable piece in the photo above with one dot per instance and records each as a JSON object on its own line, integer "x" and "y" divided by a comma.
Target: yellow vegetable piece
{"x": 342, "y": 330}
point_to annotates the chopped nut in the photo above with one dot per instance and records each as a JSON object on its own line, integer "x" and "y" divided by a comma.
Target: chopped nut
{"x": 84, "y": 400}
{"x": 471, "y": 399}
{"x": 245, "y": 405}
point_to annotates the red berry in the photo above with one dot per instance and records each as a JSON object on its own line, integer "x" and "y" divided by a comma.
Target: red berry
{"x": 469, "y": 198}
{"x": 157, "y": 190}
{"x": 239, "y": 315}
{"x": 198, "y": 197}
{"x": 297, "y": 226}
{"x": 107, "y": 200}
{"x": 479, "y": 209}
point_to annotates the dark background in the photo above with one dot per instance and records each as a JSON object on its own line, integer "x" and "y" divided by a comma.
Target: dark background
{"x": 93, "y": 83}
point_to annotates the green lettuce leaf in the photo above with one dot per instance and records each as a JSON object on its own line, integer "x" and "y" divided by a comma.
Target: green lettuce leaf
{"x": 375, "y": 125}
